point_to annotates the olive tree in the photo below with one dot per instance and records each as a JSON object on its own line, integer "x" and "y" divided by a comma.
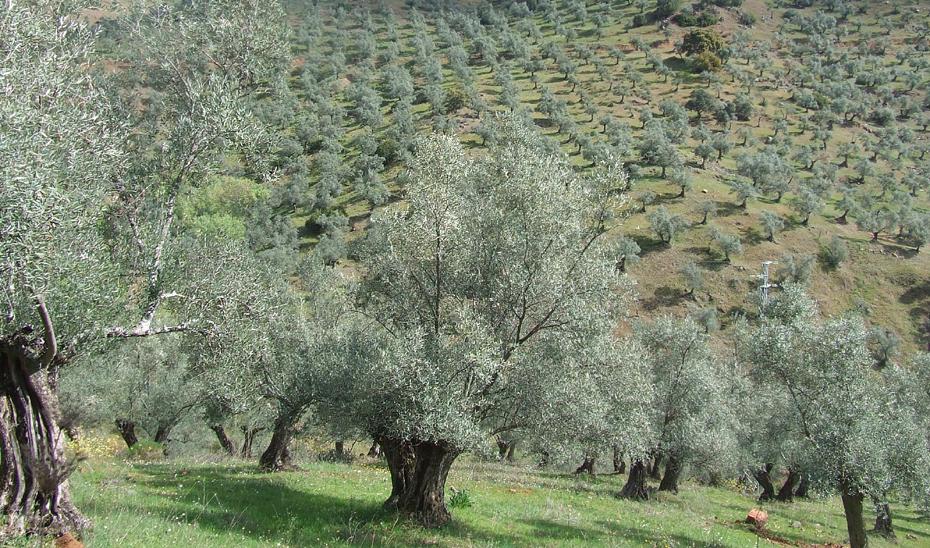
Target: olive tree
{"x": 832, "y": 414}
{"x": 76, "y": 273}
{"x": 487, "y": 289}
{"x": 691, "y": 416}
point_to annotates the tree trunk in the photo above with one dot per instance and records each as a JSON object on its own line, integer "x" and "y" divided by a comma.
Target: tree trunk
{"x": 248, "y": 437}
{"x": 801, "y": 491}
{"x": 655, "y": 472}
{"x": 852, "y": 507}
{"x": 161, "y": 435}
{"x": 672, "y": 473}
{"x": 418, "y": 478}
{"x": 340, "y": 450}
{"x": 764, "y": 478}
{"x": 635, "y": 487}
{"x": 400, "y": 460}
{"x": 127, "y": 430}
{"x": 587, "y": 467}
{"x": 276, "y": 456}
{"x": 502, "y": 447}
{"x": 786, "y": 493}
{"x": 34, "y": 492}
{"x": 224, "y": 440}
{"x": 374, "y": 451}
{"x": 619, "y": 463}
{"x": 883, "y": 524}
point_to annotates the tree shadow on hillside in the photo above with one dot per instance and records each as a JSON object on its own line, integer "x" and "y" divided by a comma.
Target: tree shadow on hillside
{"x": 263, "y": 507}
{"x": 647, "y": 537}
{"x": 710, "y": 259}
{"x": 726, "y": 209}
{"x": 663, "y": 297}
{"x": 918, "y": 298}
{"x": 648, "y": 244}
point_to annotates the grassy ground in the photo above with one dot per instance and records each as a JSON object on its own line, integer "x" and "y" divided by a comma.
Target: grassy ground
{"x": 231, "y": 504}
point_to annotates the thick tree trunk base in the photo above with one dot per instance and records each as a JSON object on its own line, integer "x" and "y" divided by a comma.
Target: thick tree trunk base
{"x": 277, "y": 457}
{"x": 635, "y": 487}
{"x": 786, "y": 493}
{"x": 587, "y": 466}
{"x": 127, "y": 431}
{"x": 34, "y": 493}
{"x": 883, "y": 525}
{"x": 672, "y": 473}
{"x": 803, "y": 487}
{"x": 763, "y": 476}
{"x": 418, "y": 478}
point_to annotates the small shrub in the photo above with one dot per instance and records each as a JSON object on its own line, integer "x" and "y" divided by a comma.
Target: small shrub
{"x": 459, "y": 498}
{"x": 640, "y": 20}
{"x": 746, "y": 19}
{"x": 91, "y": 446}
{"x": 883, "y": 117}
{"x": 835, "y": 253}
{"x": 146, "y": 451}
{"x": 390, "y": 150}
{"x": 455, "y": 100}
{"x": 696, "y": 19}
{"x": 706, "y": 61}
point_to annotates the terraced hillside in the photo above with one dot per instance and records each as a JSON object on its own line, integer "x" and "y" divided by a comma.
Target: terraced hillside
{"x": 810, "y": 136}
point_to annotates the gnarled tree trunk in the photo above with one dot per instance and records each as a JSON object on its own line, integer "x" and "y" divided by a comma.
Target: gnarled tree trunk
{"x": 655, "y": 471}
{"x": 223, "y": 438}
{"x": 375, "y": 450}
{"x": 883, "y": 525}
{"x": 619, "y": 463}
{"x": 277, "y": 457}
{"x": 340, "y": 451}
{"x": 786, "y": 493}
{"x": 852, "y": 507}
{"x": 635, "y": 487}
{"x": 672, "y": 473}
{"x": 418, "y": 478}
{"x": 587, "y": 466}
{"x": 248, "y": 438}
{"x": 400, "y": 459}
{"x": 127, "y": 430}
{"x": 161, "y": 435}
{"x": 763, "y": 476}
{"x": 34, "y": 493}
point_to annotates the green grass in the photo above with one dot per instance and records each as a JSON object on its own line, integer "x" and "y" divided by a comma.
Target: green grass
{"x": 188, "y": 504}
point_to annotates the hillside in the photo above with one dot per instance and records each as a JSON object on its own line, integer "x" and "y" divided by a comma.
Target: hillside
{"x": 570, "y": 65}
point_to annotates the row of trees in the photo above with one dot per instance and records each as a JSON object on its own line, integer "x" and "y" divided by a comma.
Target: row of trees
{"x": 480, "y": 310}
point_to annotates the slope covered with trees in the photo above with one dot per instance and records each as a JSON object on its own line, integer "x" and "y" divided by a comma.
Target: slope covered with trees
{"x": 444, "y": 227}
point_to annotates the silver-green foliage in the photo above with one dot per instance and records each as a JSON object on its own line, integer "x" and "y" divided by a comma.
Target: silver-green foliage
{"x": 494, "y": 290}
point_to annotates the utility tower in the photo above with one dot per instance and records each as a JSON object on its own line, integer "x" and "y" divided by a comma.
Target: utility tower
{"x": 766, "y": 285}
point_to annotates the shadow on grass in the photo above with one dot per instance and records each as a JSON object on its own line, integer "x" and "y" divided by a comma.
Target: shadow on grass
{"x": 647, "y": 537}
{"x": 663, "y": 297}
{"x": 262, "y": 506}
{"x": 256, "y": 504}
{"x": 648, "y": 245}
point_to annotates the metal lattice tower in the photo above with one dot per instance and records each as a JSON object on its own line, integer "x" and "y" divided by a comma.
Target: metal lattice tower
{"x": 766, "y": 285}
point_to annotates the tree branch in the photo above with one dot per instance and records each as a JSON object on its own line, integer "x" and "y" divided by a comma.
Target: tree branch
{"x": 50, "y": 348}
